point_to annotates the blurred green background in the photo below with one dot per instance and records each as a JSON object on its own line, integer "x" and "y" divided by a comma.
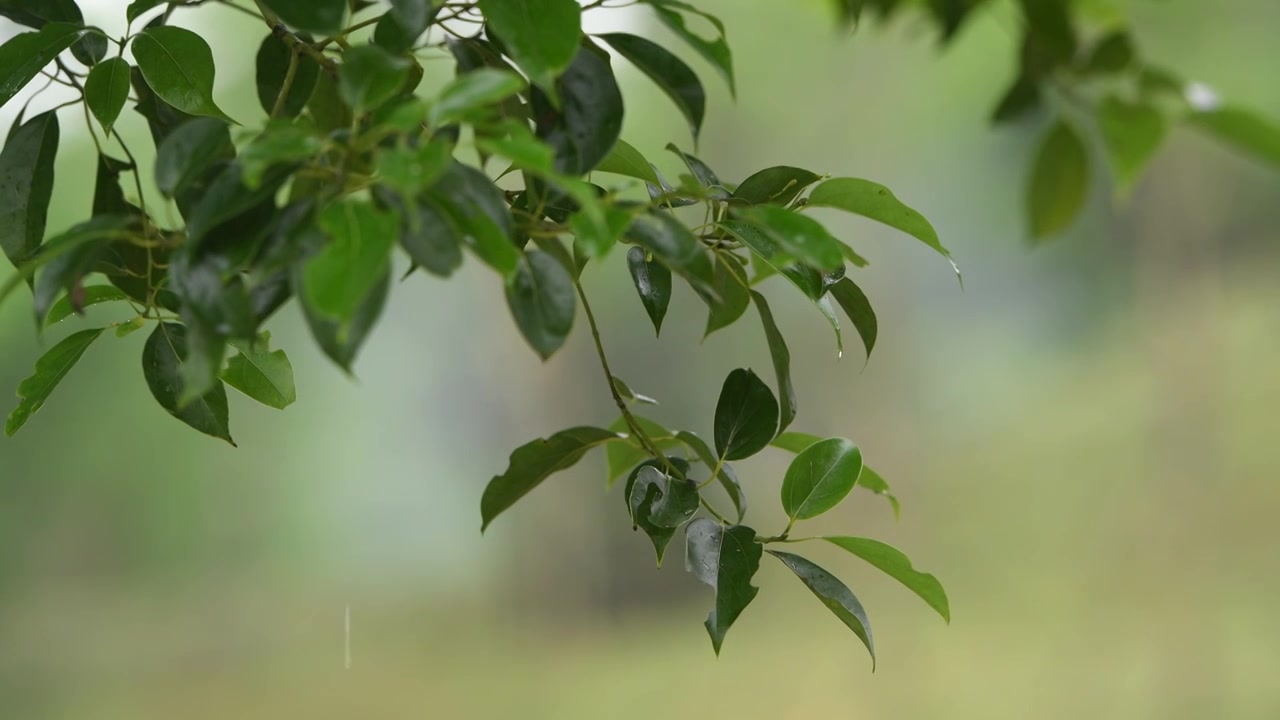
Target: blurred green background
{"x": 1084, "y": 441}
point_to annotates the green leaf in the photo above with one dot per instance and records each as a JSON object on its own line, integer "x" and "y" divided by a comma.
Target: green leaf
{"x": 92, "y": 295}
{"x": 764, "y": 247}
{"x": 1132, "y": 132}
{"x": 280, "y": 143}
{"x": 671, "y": 242}
{"x": 702, "y": 173}
{"x": 533, "y": 463}
{"x": 272, "y": 67}
{"x": 472, "y": 91}
{"x": 163, "y": 358}
{"x": 412, "y": 169}
{"x": 659, "y": 504}
{"x": 321, "y": 16}
{"x": 186, "y": 155}
{"x": 781, "y": 362}
{"x": 623, "y": 456}
{"x": 106, "y": 90}
{"x": 795, "y": 442}
{"x": 98, "y": 230}
{"x": 426, "y": 234}
{"x": 746, "y": 416}
{"x": 178, "y": 65}
{"x": 868, "y": 479}
{"x": 837, "y": 596}
{"x": 1113, "y": 53}
{"x": 326, "y": 106}
{"x": 26, "y": 176}
{"x": 339, "y": 278}
{"x": 726, "y": 559}
{"x": 541, "y": 299}
{"x": 540, "y": 35}
{"x": 726, "y": 477}
{"x": 261, "y": 374}
{"x": 66, "y": 272}
{"x": 23, "y": 56}
{"x": 625, "y": 160}
{"x": 586, "y": 125}
{"x": 1059, "y": 182}
{"x": 1243, "y": 129}
{"x": 370, "y": 76}
{"x": 800, "y": 237}
{"x": 214, "y": 307}
{"x": 668, "y": 71}
{"x": 138, "y": 7}
{"x": 630, "y": 395}
{"x": 653, "y": 283}
{"x": 413, "y": 17}
{"x": 479, "y": 214}
{"x": 50, "y": 369}
{"x": 715, "y": 51}
{"x": 896, "y": 565}
{"x": 820, "y": 477}
{"x": 732, "y": 295}
{"x": 875, "y": 201}
{"x": 341, "y": 341}
{"x": 858, "y": 308}
{"x": 774, "y": 186}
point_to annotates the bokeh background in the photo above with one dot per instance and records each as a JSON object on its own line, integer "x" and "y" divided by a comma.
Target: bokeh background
{"x": 1084, "y": 440}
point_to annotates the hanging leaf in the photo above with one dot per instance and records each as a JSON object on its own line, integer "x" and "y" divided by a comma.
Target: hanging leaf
{"x": 820, "y": 477}
{"x": 92, "y": 295}
{"x": 163, "y": 358}
{"x": 427, "y": 235}
{"x": 536, "y": 461}
{"x": 178, "y": 65}
{"x": 321, "y": 16}
{"x": 746, "y": 416}
{"x": 837, "y": 596}
{"x": 781, "y": 362}
{"x": 653, "y": 283}
{"x": 670, "y": 73}
{"x": 342, "y": 341}
{"x": 893, "y": 563}
{"x": 370, "y": 76}
{"x": 875, "y": 201}
{"x": 585, "y": 126}
{"x": 479, "y": 215}
{"x": 26, "y": 175}
{"x": 51, "y": 368}
{"x": 676, "y": 247}
{"x": 339, "y": 278}
{"x": 732, "y": 295}
{"x": 271, "y": 69}
{"x": 26, "y": 54}
{"x": 187, "y": 154}
{"x": 715, "y": 51}
{"x": 472, "y": 91}
{"x": 543, "y": 48}
{"x": 856, "y": 305}
{"x": 726, "y": 559}
{"x": 1132, "y": 133}
{"x": 1059, "y": 182}
{"x": 106, "y": 90}
{"x": 659, "y": 504}
{"x": 726, "y": 477}
{"x": 541, "y": 298}
{"x": 624, "y": 159}
{"x": 261, "y": 374}
{"x": 800, "y": 237}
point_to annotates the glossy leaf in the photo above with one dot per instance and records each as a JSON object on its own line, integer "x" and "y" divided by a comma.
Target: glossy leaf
{"x": 856, "y": 305}
{"x": 261, "y": 374}
{"x": 1059, "y": 182}
{"x": 675, "y": 246}
{"x": 659, "y": 504}
{"x": 764, "y": 247}
{"x": 868, "y": 479}
{"x": 1243, "y": 129}
{"x": 472, "y": 91}
{"x": 1132, "y": 133}
{"x": 534, "y": 462}
{"x": 26, "y": 185}
{"x": 624, "y": 159}
{"x": 541, "y": 298}
{"x": 479, "y": 214}
{"x": 877, "y": 202}
{"x": 430, "y": 238}
{"x": 586, "y": 125}
{"x": 732, "y": 294}
{"x": 820, "y": 477}
{"x": 24, "y": 55}
{"x": 726, "y": 477}
{"x": 670, "y": 73}
{"x": 781, "y": 362}
{"x": 653, "y": 283}
{"x": 51, "y": 368}
{"x": 91, "y": 295}
{"x": 321, "y": 16}
{"x": 106, "y": 90}
{"x": 716, "y": 50}
{"x": 370, "y": 76}
{"x": 701, "y": 172}
{"x": 163, "y": 358}
{"x": 339, "y": 278}
{"x": 837, "y": 596}
{"x": 746, "y": 416}
{"x": 186, "y": 155}
{"x": 775, "y": 186}
{"x": 726, "y": 559}
{"x": 540, "y": 35}
{"x": 138, "y": 7}
{"x": 413, "y": 16}
{"x": 896, "y": 565}
{"x": 178, "y": 65}
{"x": 800, "y": 237}
{"x": 342, "y": 341}
{"x": 272, "y": 67}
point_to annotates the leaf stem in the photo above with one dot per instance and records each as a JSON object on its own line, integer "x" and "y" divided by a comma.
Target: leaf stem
{"x": 287, "y": 85}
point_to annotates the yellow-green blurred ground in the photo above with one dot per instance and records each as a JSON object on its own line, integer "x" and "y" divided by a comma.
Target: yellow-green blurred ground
{"x": 1084, "y": 441}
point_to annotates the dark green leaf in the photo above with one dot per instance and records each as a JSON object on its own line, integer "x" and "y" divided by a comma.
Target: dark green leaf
{"x": 65, "y": 273}
{"x": 775, "y": 185}
{"x": 1132, "y": 133}
{"x": 540, "y": 35}
{"x": 659, "y": 501}
{"x": 837, "y": 596}
{"x": 280, "y": 143}
{"x": 781, "y": 362}
{"x": 653, "y": 283}
{"x": 746, "y": 416}
{"x": 1112, "y": 54}
{"x": 50, "y": 369}
{"x": 426, "y": 235}
{"x": 272, "y": 67}
{"x": 858, "y": 308}
{"x": 893, "y": 563}
{"x": 703, "y": 174}
{"x": 479, "y": 215}
{"x": 163, "y": 358}
{"x": 138, "y": 7}
{"x": 321, "y": 16}
{"x": 623, "y": 456}
{"x": 585, "y": 126}
{"x": 178, "y": 65}
{"x": 214, "y": 307}
{"x": 370, "y": 76}
{"x": 472, "y": 91}
{"x": 1243, "y": 129}
{"x": 261, "y": 374}
{"x": 26, "y": 185}
{"x": 800, "y": 237}
{"x": 340, "y": 277}
{"x": 1021, "y": 98}
{"x": 413, "y": 17}
{"x": 726, "y": 559}
{"x": 541, "y": 298}
{"x": 1059, "y": 182}
{"x": 341, "y": 341}
{"x": 875, "y": 201}
{"x": 92, "y": 295}
{"x": 189, "y": 151}
{"x": 732, "y": 295}
{"x": 675, "y": 246}
{"x": 326, "y": 106}
{"x": 716, "y": 51}
{"x": 668, "y": 71}
{"x": 820, "y": 477}
{"x": 94, "y": 232}
{"x": 765, "y": 248}
{"x": 106, "y": 90}
{"x": 536, "y": 461}
{"x": 726, "y": 477}
{"x": 23, "y": 56}
{"x": 626, "y": 160}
